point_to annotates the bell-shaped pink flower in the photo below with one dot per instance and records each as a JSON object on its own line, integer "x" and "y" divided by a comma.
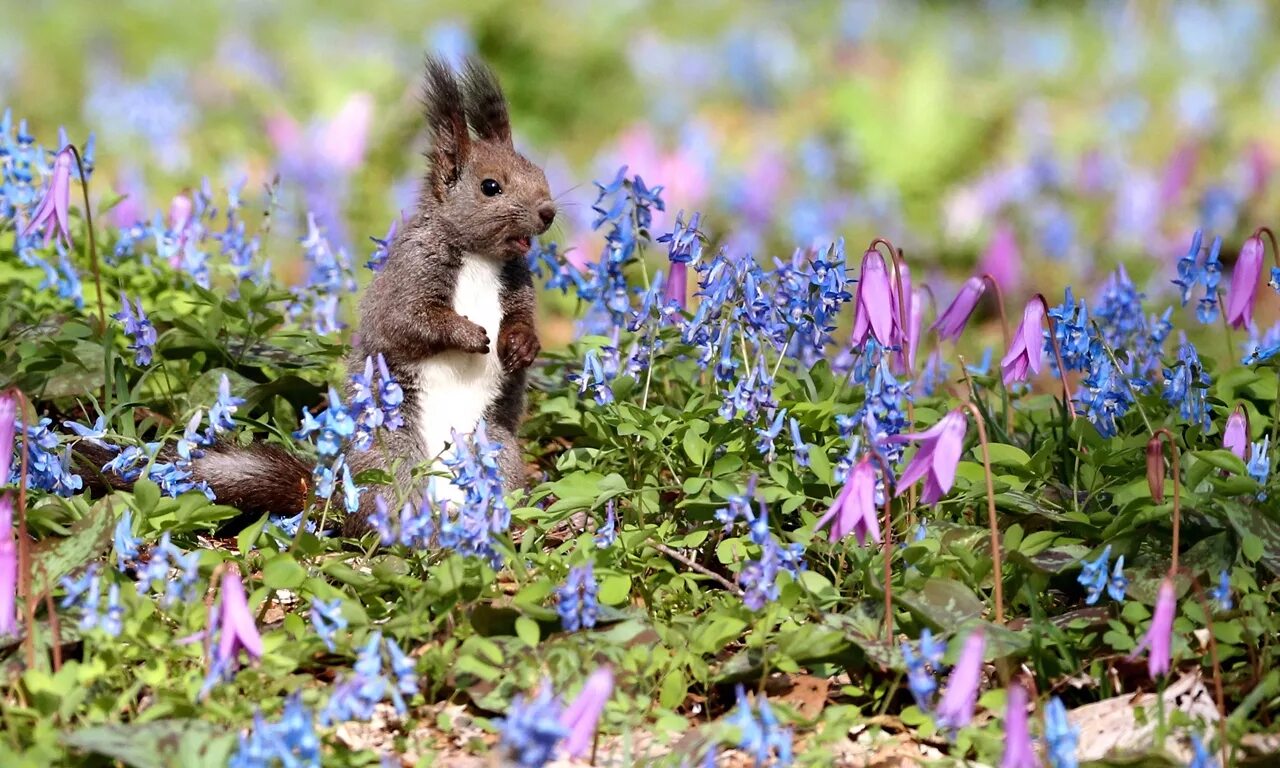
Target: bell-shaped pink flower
{"x": 950, "y": 324}
{"x": 1235, "y": 437}
{"x": 8, "y": 423}
{"x": 1158, "y": 641}
{"x": 875, "y": 313}
{"x": 961, "y": 696}
{"x": 583, "y": 715}
{"x": 936, "y": 458}
{"x": 1027, "y": 345}
{"x": 1244, "y": 283}
{"x": 677, "y": 287}
{"x": 1019, "y": 752}
{"x": 8, "y": 569}
{"x": 238, "y": 628}
{"x": 54, "y": 211}
{"x": 854, "y": 510}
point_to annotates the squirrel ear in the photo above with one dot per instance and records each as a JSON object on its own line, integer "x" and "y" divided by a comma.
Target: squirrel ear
{"x": 446, "y": 119}
{"x": 486, "y": 106}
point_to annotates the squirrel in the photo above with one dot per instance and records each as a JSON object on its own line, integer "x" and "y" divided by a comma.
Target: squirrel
{"x": 451, "y": 311}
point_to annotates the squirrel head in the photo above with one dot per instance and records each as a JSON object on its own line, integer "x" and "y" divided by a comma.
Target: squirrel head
{"x": 489, "y": 198}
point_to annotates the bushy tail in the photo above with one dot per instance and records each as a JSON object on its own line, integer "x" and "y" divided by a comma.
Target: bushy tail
{"x": 254, "y": 478}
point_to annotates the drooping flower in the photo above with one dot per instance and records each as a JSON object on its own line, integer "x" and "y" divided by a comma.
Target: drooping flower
{"x": 53, "y": 213}
{"x": 1235, "y": 437}
{"x": 532, "y": 728}
{"x": 1059, "y": 735}
{"x": 1093, "y": 575}
{"x": 1118, "y": 584}
{"x": 583, "y": 716}
{"x": 1025, "y": 348}
{"x": 1159, "y": 638}
{"x": 8, "y": 569}
{"x": 236, "y": 627}
{"x": 936, "y": 457}
{"x": 875, "y": 313}
{"x": 961, "y": 695}
{"x": 577, "y": 606}
{"x": 951, "y": 323}
{"x": 326, "y": 617}
{"x": 758, "y": 731}
{"x": 1019, "y": 752}
{"x": 1244, "y": 283}
{"x": 127, "y": 545}
{"x": 137, "y": 325}
{"x": 8, "y": 425}
{"x": 854, "y": 510}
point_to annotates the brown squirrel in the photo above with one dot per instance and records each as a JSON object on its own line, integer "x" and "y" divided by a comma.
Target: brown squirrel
{"x": 452, "y": 310}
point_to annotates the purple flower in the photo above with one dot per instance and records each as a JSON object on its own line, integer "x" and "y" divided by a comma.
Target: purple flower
{"x": 8, "y": 569}
{"x": 53, "y": 211}
{"x": 961, "y": 696}
{"x": 582, "y": 716}
{"x": 1244, "y": 283}
{"x": 854, "y": 510}
{"x": 950, "y": 324}
{"x": 1159, "y": 638}
{"x": 8, "y": 421}
{"x": 875, "y": 312}
{"x": 236, "y": 620}
{"x": 1026, "y": 346}
{"x": 936, "y": 458}
{"x": 1235, "y": 437}
{"x": 1018, "y": 749}
{"x": 677, "y": 287}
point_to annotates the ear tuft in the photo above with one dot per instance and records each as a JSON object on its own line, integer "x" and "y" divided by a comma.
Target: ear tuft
{"x": 447, "y": 121}
{"x": 486, "y": 106}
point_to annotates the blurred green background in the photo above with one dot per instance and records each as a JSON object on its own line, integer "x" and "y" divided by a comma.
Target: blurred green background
{"x": 1075, "y": 134}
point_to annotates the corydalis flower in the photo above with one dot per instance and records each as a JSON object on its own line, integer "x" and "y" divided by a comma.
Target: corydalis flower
{"x": 1026, "y": 347}
{"x": 532, "y": 728}
{"x": 1159, "y": 638}
{"x": 1244, "y": 283}
{"x": 582, "y": 716}
{"x": 951, "y": 323}
{"x": 936, "y": 458}
{"x": 876, "y": 314}
{"x": 854, "y": 510}
{"x": 53, "y": 214}
{"x": 1019, "y": 752}
{"x": 137, "y": 325}
{"x": 961, "y": 696}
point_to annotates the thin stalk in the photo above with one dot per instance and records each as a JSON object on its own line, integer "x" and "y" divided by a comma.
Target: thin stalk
{"x": 92, "y": 245}
{"x": 693, "y": 565}
{"x": 886, "y": 545}
{"x": 1217, "y": 674}
{"x": 1004, "y": 330}
{"x": 1057, "y": 355}
{"x": 1129, "y": 384}
{"x": 1164, "y": 435}
{"x": 997, "y": 569}
{"x": 55, "y": 630}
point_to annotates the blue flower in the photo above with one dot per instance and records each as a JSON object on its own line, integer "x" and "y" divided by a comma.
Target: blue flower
{"x": 47, "y": 468}
{"x": 327, "y": 618}
{"x": 292, "y": 741}
{"x": 1201, "y": 758}
{"x": 577, "y": 607}
{"x": 1059, "y": 735}
{"x": 607, "y": 533}
{"x": 766, "y": 435}
{"x": 1188, "y": 268}
{"x": 93, "y": 434}
{"x": 593, "y": 378}
{"x": 1259, "y": 466}
{"x": 1221, "y": 594}
{"x": 224, "y": 407}
{"x": 405, "y": 673}
{"x": 799, "y": 445}
{"x": 531, "y": 730}
{"x": 127, "y": 546}
{"x": 922, "y": 669}
{"x": 758, "y": 732}
{"x": 378, "y": 259}
{"x": 139, "y": 327}
{"x": 391, "y": 395}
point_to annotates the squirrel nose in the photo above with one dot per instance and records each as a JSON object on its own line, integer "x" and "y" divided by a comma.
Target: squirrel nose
{"x": 547, "y": 212}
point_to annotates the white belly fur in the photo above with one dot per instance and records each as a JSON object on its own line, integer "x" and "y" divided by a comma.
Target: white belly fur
{"x": 456, "y": 388}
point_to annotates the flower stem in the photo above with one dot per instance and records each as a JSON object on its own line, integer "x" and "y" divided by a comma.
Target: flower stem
{"x": 997, "y": 570}
{"x": 1129, "y": 384}
{"x": 1164, "y": 435}
{"x": 1217, "y": 673}
{"x": 91, "y": 243}
{"x": 886, "y": 545}
{"x": 1057, "y": 356}
{"x": 1004, "y": 330}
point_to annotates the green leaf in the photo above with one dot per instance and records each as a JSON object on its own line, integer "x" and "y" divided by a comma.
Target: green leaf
{"x": 1007, "y": 455}
{"x": 146, "y": 495}
{"x": 943, "y": 603}
{"x": 51, "y": 559}
{"x": 615, "y": 589}
{"x": 674, "y": 689}
{"x": 283, "y": 572}
{"x": 528, "y": 631}
{"x": 158, "y": 744}
{"x": 247, "y": 539}
{"x": 695, "y": 447}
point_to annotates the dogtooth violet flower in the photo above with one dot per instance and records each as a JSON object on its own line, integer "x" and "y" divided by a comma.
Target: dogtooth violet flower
{"x": 1019, "y": 752}
{"x": 1244, "y": 283}
{"x": 8, "y": 425}
{"x": 8, "y": 569}
{"x": 53, "y": 213}
{"x": 874, "y": 312}
{"x": 955, "y": 710}
{"x": 582, "y": 716}
{"x": 1235, "y": 437}
{"x": 936, "y": 457}
{"x": 854, "y": 510}
{"x": 236, "y": 627}
{"x": 1025, "y": 348}
{"x": 951, "y": 323}
{"x": 1159, "y": 638}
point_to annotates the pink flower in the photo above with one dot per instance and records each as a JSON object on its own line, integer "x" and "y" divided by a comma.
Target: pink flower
{"x": 1001, "y": 259}
{"x": 958, "y": 701}
{"x": 343, "y": 140}
{"x": 8, "y": 417}
{"x": 1244, "y": 283}
{"x": 875, "y": 313}
{"x": 238, "y": 628}
{"x": 583, "y": 715}
{"x": 1159, "y": 638}
{"x": 936, "y": 458}
{"x": 1027, "y": 345}
{"x": 854, "y": 510}
{"x": 1019, "y": 752}
{"x": 8, "y": 569}
{"x": 677, "y": 288}
{"x": 950, "y": 324}
{"x": 1235, "y": 437}
{"x": 53, "y": 213}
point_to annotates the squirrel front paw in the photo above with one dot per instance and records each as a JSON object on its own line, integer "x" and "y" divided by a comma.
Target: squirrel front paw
{"x": 518, "y": 347}
{"x": 471, "y": 337}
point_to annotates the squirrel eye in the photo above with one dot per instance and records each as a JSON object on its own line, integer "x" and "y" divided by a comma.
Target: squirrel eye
{"x": 490, "y": 188}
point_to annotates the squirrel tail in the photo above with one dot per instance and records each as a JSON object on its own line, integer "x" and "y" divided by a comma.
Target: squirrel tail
{"x": 256, "y": 478}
